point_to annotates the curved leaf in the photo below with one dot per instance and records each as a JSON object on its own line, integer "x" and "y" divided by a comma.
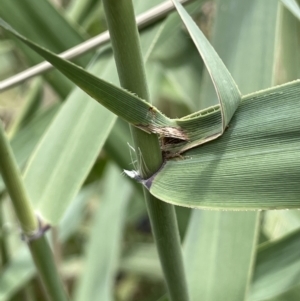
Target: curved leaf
{"x": 227, "y": 90}
{"x": 193, "y": 130}
{"x": 121, "y": 102}
{"x": 254, "y": 165}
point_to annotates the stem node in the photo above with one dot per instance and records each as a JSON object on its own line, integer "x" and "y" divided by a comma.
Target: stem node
{"x": 41, "y": 230}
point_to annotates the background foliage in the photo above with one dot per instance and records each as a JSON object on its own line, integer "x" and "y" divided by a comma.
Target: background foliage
{"x": 73, "y": 150}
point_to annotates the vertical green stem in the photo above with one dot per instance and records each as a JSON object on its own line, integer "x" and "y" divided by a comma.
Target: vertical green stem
{"x": 39, "y": 247}
{"x": 15, "y": 187}
{"x": 125, "y": 42}
{"x": 44, "y": 261}
{"x": 4, "y": 246}
{"x": 3, "y": 242}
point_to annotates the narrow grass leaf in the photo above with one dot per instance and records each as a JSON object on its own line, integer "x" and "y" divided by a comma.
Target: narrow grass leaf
{"x": 61, "y": 162}
{"x": 227, "y": 90}
{"x": 277, "y": 268}
{"x": 195, "y": 129}
{"x": 102, "y": 252}
{"x": 122, "y": 103}
{"x": 182, "y": 72}
{"x": 218, "y": 244}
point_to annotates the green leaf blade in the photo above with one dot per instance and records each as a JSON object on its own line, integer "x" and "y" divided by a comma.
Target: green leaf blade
{"x": 277, "y": 268}
{"x": 254, "y": 165}
{"x": 213, "y": 254}
{"x": 69, "y": 148}
{"x": 103, "y": 250}
{"x": 227, "y": 90}
{"x": 121, "y": 102}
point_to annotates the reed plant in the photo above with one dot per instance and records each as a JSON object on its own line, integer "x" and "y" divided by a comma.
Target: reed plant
{"x": 210, "y": 92}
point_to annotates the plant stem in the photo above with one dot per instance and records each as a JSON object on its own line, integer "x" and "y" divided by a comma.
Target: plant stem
{"x": 3, "y": 242}
{"x": 129, "y": 61}
{"x": 39, "y": 247}
{"x": 44, "y": 261}
{"x": 15, "y": 187}
{"x": 5, "y": 258}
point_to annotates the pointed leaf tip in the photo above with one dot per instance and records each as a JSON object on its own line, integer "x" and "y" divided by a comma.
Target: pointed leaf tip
{"x": 227, "y": 91}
